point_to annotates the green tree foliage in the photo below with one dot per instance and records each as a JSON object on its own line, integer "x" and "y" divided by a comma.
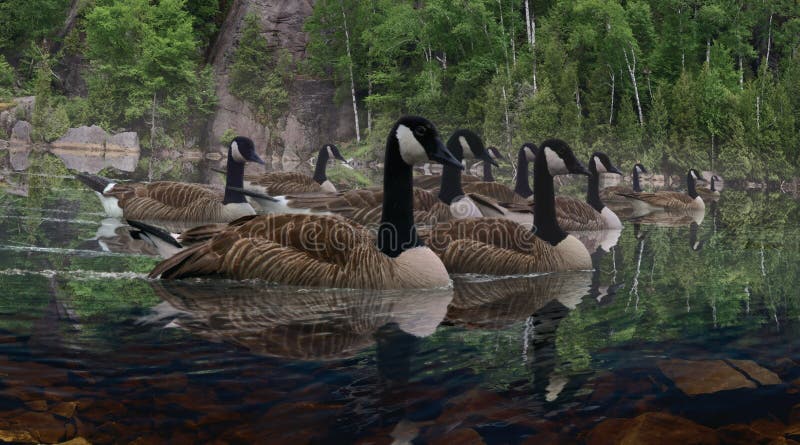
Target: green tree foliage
{"x": 145, "y": 66}
{"x": 710, "y": 75}
{"x": 22, "y": 21}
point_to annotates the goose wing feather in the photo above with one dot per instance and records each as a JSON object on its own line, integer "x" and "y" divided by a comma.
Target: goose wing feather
{"x": 496, "y": 191}
{"x": 662, "y": 199}
{"x": 285, "y": 183}
{"x": 573, "y": 215}
{"x": 305, "y": 250}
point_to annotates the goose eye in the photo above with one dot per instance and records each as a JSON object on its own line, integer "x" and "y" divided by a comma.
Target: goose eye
{"x": 420, "y": 131}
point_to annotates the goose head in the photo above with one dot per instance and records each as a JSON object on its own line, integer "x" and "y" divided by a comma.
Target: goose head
{"x": 528, "y": 151}
{"x": 601, "y": 163}
{"x": 494, "y": 153}
{"x": 418, "y": 141}
{"x": 243, "y": 150}
{"x": 696, "y": 175}
{"x": 560, "y": 159}
{"x": 333, "y": 152}
{"x": 470, "y": 145}
{"x": 639, "y": 168}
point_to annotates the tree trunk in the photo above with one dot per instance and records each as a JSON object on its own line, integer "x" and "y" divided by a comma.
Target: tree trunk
{"x": 613, "y": 85}
{"x": 769, "y": 41}
{"x": 741, "y": 74}
{"x": 352, "y": 79}
{"x": 528, "y": 22}
{"x": 758, "y": 112}
{"x": 369, "y": 108}
{"x": 632, "y": 71}
{"x": 533, "y": 45}
{"x": 708, "y": 52}
{"x": 508, "y": 120}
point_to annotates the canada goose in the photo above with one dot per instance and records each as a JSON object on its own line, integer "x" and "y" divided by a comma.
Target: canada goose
{"x": 176, "y": 201}
{"x": 431, "y": 182}
{"x": 521, "y": 194}
{"x": 610, "y": 194}
{"x": 365, "y": 206}
{"x": 576, "y": 215}
{"x": 648, "y": 202}
{"x": 709, "y": 193}
{"x": 498, "y": 246}
{"x": 329, "y": 251}
{"x": 284, "y": 183}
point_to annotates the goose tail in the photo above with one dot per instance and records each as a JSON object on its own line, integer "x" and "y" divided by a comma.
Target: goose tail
{"x": 94, "y": 182}
{"x": 164, "y": 242}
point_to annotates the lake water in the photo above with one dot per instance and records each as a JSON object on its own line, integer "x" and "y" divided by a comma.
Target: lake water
{"x": 682, "y": 334}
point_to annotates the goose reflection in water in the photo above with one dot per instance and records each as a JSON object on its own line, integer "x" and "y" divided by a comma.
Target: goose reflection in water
{"x": 305, "y": 324}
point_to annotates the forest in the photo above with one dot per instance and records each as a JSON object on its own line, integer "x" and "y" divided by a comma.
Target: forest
{"x": 712, "y": 84}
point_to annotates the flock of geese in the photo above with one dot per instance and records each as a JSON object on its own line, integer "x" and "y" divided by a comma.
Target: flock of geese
{"x": 288, "y": 228}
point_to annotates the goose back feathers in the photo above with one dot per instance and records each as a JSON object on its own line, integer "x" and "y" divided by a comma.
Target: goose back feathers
{"x": 286, "y": 183}
{"x": 499, "y": 246}
{"x": 321, "y": 250}
{"x": 169, "y": 201}
{"x": 646, "y": 202}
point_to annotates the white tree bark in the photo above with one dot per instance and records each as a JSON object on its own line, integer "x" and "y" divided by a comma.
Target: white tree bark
{"x": 769, "y": 41}
{"x": 741, "y": 74}
{"x": 352, "y": 79}
{"x": 758, "y": 112}
{"x": 369, "y": 108}
{"x": 708, "y": 52}
{"x": 631, "y": 63}
{"x": 508, "y": 120}
{"x": 528, "y": 22}
{"x": 533, "y": 45}
{"x": 613, "y": 85}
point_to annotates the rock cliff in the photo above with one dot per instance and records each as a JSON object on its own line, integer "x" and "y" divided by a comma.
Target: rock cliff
{"x": 313, "y": 117}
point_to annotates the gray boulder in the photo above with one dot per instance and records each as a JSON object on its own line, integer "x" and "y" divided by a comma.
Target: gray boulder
{"x": 127, "y": 141}
{"x": 21, "y": 133}
{"x": 90, "y": 138}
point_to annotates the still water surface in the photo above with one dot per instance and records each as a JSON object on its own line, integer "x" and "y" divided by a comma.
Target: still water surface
{"x": 681, "y": 332}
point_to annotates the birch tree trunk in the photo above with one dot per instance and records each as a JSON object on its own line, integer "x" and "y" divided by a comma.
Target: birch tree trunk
{"x": 769, "y": 40}
{"x": 708, "y": 52}
{"x": 530, "y": 19}
{"x": 613, "y": 85}
{"x": 631, "y": 63}
{"x": 508, "y": 121}
{"x": 741, "y": 74}
{"x": 352, "y": 79}
{"x": 369, "y": 108}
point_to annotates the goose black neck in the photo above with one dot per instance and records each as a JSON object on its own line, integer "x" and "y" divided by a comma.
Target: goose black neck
{"x": 544, "y": 211}
{"x": 397, "y": 232}
{"x": 487, "y": 172}
{"x": 320, "y": 175}
{"x": 522, "y": 186}
{"x": 593, "y": 191}
{"x": 691, "y": 185}
{"x": 451, "y": 175}
{"x": 636, "y": 187}
{"x": 713, "y": 186}
{"x": 234, "y": 178}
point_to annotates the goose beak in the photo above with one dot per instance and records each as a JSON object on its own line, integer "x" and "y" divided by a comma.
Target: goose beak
{"x": 255, "y": 158}
{"x": 443, "y": 156}
{"x": 579, "y": 169}
{"x": 341, "y": 158}
{"x": 488, "y": 158}
{"x": 614, "y": 169}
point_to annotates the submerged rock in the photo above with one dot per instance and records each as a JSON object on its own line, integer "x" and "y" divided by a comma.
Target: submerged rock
{"x": 653, "y": 429}
{"x": 695, "y": 377}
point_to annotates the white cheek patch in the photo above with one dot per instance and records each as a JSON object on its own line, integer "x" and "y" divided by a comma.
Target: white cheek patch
{"x": 598, "y": 164}
{"x": 237, "y": 155}
{"x": 529, "y": 155}
{"x": 694, "y": 175}
{"x": 466, "y": 148}
{"x": 411, "y": 150}
{"x": 330, "y": 152}
{"x": 109, "y": 187}
{"x": 555, "y": 165}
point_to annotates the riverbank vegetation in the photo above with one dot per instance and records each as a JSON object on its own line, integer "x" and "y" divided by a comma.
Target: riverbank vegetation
{"x": 713, "y": 84}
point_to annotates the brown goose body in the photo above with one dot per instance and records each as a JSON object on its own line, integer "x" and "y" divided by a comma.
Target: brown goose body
{"x": 648, "y": 202}
{"x": 286, "y": 183}
{"x": 614, "y": 193}
{"x": 177, "y": 202}
{"x": 330, "y": 251}
{"x": 497, "y": 246}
